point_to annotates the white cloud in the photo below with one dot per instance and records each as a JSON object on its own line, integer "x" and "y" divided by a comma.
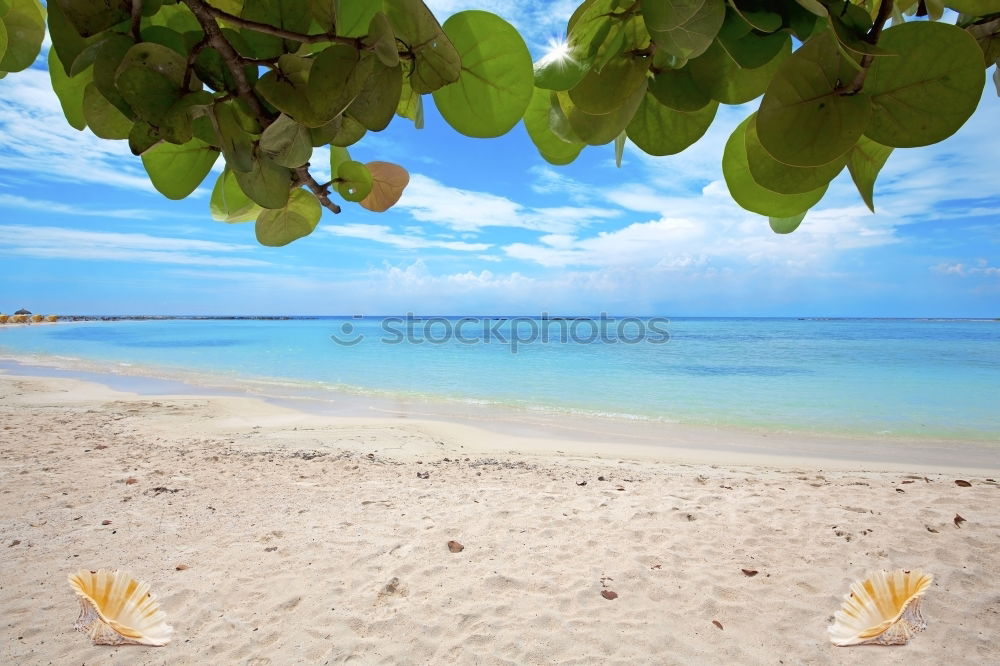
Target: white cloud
{"x": 62, "y": 243}
{"x": 13, "y": 201}
{"x": 383, "y": 234}
{"x": 427, "y": 200}
{"x": 978, "y": 267}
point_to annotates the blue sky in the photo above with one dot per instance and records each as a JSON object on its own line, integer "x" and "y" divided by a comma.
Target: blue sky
{"x": 486, "y": 226}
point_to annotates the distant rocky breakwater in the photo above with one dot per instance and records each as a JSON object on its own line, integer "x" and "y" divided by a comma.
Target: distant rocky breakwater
{"x": 37, "y": 319}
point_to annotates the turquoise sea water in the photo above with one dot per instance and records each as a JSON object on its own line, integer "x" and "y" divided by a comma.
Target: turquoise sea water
{"x": 913, "y": 378}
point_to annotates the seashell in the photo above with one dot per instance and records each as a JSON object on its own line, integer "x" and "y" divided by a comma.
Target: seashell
{"x": 116, "y": 609}
{"x": 883, "y": 609}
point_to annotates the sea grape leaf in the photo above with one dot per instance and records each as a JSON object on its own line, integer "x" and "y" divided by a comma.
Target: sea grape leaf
{"x": 69, "y": 90}
{"x": 660, "y": 130}
{"x": 721, "y": 77}
{"x": 297, "y": 218}
{"x": 174, "y": 16}
{"x": 865, "y": 163}
{"x": 536, "y": 120}
{"x": 683, "y": 28}
{"x": 348, "y": 133}
{"x": 604, "y": 91}
{"x": 104, "y": 118}
{"x": 337, "y": 76}
{"x": 286, "y": 142}
{"x": 803, "y": 119}
{"x": 325, "y": 13}
{"x": 338, "y": 156}
{"x": 3, "y": 40}
{"x": 110, "y": 52}
{"x": 229, "y": 203}
{"x": 784, "y": 178}
{"x": 377, "y": 102}
{"x": 176, "y": 171}
{"x": 25, "y": 27}
{"x": 496, "y": 80}
{"x": 286, "y": 14}
{"x": 436, "y": 62}
{"x": 288, "y": 92}
{"x": 974, "y": 7}
{"x": 927, "y": 91}
{"x": 752, "y": 50}
{"x": 598, "y": 130}
{"x": 268, "y": 184}
{"x": 382, "y": 39}
{"x": 90, "y": 17}
{"x": 353, "y": 180}
{"x": 411, "y": 104}
{"x": 786, "y": 225}
{"x": 677, "y": 89}
{"x": 355, "y": 16}
{"x": 388, "y": 182}
{"x": 620, "y": 148}
{"x": 588, "y": 28}
{"x": 237, "y": 144}
{"x": 164, "y": 36}
{"x": 150, "y": 79}
{"x": 142, "y": 137}
{"x": 752, "y": 196}
{"x": 66, "y": 41}
{"x": 988, "y": 36}
{"x": 559, "y": 71}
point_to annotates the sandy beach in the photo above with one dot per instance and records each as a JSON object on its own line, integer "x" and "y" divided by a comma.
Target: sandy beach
{"x": 276, "y": 536}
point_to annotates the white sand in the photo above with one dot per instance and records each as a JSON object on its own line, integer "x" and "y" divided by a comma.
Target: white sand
{"x": 312, "y": 540}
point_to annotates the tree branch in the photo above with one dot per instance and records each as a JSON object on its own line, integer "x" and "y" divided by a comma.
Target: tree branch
{"x": 136, "y": 20}
{"x": 884, "y": 12}
{"x": 206, "y": 15}
{"x": 322, "y": 192}
{"x": 267, "y": 29}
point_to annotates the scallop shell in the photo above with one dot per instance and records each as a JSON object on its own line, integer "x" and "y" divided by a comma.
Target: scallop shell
{"x": 117, "y": 609}
{"x": 883, "y": 609}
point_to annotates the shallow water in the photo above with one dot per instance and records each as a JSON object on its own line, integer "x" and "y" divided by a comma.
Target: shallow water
{"x": 913, "y": 378}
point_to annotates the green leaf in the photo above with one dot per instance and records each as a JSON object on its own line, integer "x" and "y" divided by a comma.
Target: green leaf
{"x": 110, "y": 52}
{"x": 988, "y": 36}
{"x": 786, "y": 225}
{"x": 237, "y": 144}
{"x": 588, "y": 28}
{"x": 25, "y": 28}
{"x": 388, "y": 182}
{"x": 324, "y": 12}
{"x": 683, "y": 28}
{"x": 286, "y": 142}
{"x": 865, "y": 163}
{"x": 174, "y": 16}
{"x": 411, "y": 104}
{"x": 267, "y": 183}
{"x": 377, "y": 102}
{"x": 150, "y": 80}
{"x": 559, "y": 71}
{"x": 69, "y": 90}
{"x": 382, "y": 40}
{"x": 619, "y": 149}
{"x": 536, "y": 120}
{"x": 90, "y": 17}
{"x": 289, "y": 92}
{"x": 338, "y": 75}
{"x": 66, "y": 41}
{"x": 285, "y": 14}
{"x": 753, "y": 197}
{"x": 677, "y": 89}
{"x": 720, "y": 77}
{"x": 496, "y": 80}
{"x": 784, "y": 178}
{"x": 103, "y": 118}
{"x": 660, "y": 130}
{"x": 355, "y": 16}
{"x": 436, "y": 63}
{"x": 753, "y": 50}
{"x": 142, "y": 137}
{"x": 597, "y": 130}
{"x": 229, "y": 203}
{"x": 349, "y": 132}
{"x": 974, "y": 7}
{"x": 177, "y": 171}
{"x": 602, "y": 92}
{"x": 353, "y": 181}
{"x": 297, "y": 218}
{"x": 803, "y": 119}
{"x": 3, "y": 40}
{"x": 338, "y": 156}
{"x": 928, "y": 91}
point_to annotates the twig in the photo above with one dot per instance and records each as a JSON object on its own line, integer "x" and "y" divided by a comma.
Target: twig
{"x": 884, "y": 12}
{"x": 267, "y": 29}
{"x": 322, "y": 192}
{"x": 136, "y": 20}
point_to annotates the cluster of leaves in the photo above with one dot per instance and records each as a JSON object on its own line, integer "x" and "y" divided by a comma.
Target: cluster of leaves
{"x": 264, "y": 82}
{"x": 655, "y": 72}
